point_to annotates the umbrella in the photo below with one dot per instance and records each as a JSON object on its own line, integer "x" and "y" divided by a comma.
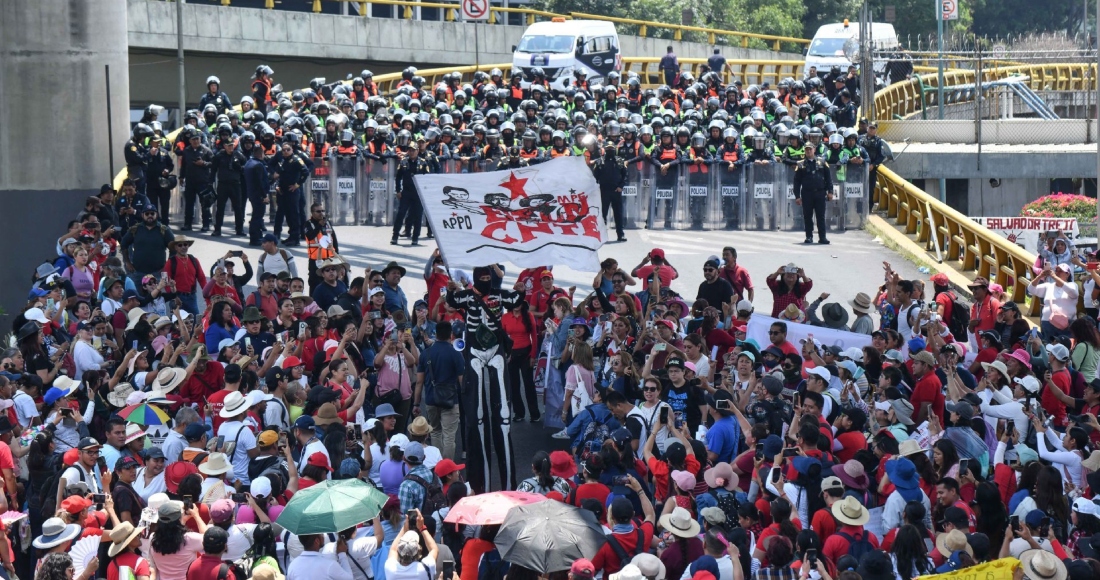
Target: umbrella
{"x": 548, "y": 536}
{"x": 144, "y": 414}
{"x": 331, "y": 506}
{"x": 489, "y": 508}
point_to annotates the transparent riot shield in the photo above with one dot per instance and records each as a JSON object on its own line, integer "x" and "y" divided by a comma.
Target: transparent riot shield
{"x": 344, "y": 208}
{"x": 636, "y": 193}
{"x": 665, "y": 211}
{"x": 698, "y": 183}
{"x": 851, "y": 199}
{"x": 729, "y": 183}
{"x": 762, "y": 201}
{"x": 490, "y": 164}
{"x": 790, "y": 212}
{"x": 319, "y": 185}
{"x": 379, "y": 201}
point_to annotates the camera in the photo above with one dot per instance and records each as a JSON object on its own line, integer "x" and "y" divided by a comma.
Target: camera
{"x": 238, "y": 498}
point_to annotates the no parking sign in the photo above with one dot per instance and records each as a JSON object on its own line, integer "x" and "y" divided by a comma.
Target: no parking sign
{"x": 949, "y": 9}
{"x": 475, "y": 9}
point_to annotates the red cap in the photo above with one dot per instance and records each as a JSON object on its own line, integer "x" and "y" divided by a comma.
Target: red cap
{"x": 668, "y": 323}
{"x": 546, "y": 274}
{"x": 175, "y": 473}
{"x": 70, "y": 458}
{"x": 95, "y": 520}
{"x": 318, "y": 460}
{"x": 447, "y": 467}
{"x": 562, "y": 464}
{"x": 940, "y": 279}
{"x": 291, "y": 362}
{"x": 74, "y": 504}
{"x": 657, "y": 253}
{"x": 583, "y": 568}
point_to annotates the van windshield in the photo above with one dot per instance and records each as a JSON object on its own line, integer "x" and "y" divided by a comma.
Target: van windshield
{"x": 827, "y": 47}
{"x": 550, "y": 44}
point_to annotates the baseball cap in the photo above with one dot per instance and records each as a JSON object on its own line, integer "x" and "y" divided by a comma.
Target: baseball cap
{"x": 268, "y": 438}
{"x": 88, "y": 443}
{"x": 291, "y": 362}
{"x": 957, "y": 516}
{"x": 446, "y": 467}
{"x": 222, "y": 510}
{"x": 270, "y": 238}
{"x": 304, "y": 422}
{"x": 831, "y": 482}
{"x": 414, "y": 453}
{"x": 194, "y": 431}
{"x": 274, "y": 376}
{"x": 820, "y": 372}
{"x": 74, "y": 504}
{"x": 583, "y": 567}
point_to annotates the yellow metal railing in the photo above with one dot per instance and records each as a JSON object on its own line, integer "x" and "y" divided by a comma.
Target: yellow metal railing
{"x": 964, "y": 244}
{"x": 905, "y": 98}
{"x": 530, "y": 16}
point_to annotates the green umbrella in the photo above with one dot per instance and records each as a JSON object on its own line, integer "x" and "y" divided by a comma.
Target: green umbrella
{"x": 331, "y": 506}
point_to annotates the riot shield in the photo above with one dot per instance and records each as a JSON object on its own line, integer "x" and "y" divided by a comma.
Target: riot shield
{"x": 852, "y": 201}
{"x": 762, "y": 203}
{"x": 378, "y": 208}
{"x": 791, "y": 218}
{"x": 665, "y": 212}
{"x": 344, "y": 207}
{"x": 729, "y": 183}
{"x": 698, "y": 183}
{"x": 319, "y": 185}
{"x": 636, "y": 194}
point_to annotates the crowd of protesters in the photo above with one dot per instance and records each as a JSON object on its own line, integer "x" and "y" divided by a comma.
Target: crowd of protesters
{"x": 958, "y": 436}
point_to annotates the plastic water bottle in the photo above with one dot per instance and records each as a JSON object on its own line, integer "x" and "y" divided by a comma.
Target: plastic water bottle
{"x": 924, "y": 270}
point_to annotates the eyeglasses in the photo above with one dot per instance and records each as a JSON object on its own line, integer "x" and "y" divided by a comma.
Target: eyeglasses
{"x": 328, "y": 270}
{"x": 649, "y": 389}
{"x": 618, "y": 281}
{"x": 788, "y": 367}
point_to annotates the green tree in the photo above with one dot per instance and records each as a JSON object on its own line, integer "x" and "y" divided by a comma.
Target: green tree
{"x": 820, "y": 12}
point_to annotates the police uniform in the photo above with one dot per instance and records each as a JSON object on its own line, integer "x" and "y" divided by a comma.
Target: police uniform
{"x": 610, "y": 173}
{"x": 137, "y": 161}
{"x": 813, "y": 182}
{"x": 409, "y": 209}
{"x": 292, "y": 173}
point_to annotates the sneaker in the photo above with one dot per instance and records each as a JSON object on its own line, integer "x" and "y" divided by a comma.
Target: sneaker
{"x": 517, "y": 419}
{"x": 393, "y": 242}
{"x": 536, "y": 419}
{"x": 824, "y": 241}
{"x": 808, "y": 241}
{"x": 563, "y": 434}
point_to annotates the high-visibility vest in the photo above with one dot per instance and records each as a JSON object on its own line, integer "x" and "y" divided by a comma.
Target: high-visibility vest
{"x": 555, "y": 153}
{"x": 667, "y": 154}
{"x": 316, "y": 252}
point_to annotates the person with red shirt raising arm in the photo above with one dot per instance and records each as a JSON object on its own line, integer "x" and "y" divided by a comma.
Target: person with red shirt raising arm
{"x": 983, "y": 314}
{"x": 928, "y": 392}
{"x": 789, "y": 285}
{"x": 655, "y": 261}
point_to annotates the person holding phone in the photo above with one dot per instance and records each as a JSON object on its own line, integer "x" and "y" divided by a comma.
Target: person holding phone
{"x": 87, "y": 470}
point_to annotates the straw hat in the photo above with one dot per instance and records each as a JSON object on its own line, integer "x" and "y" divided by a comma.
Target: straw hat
{"x": 1040, "y": 564}
{"x": 680, "y": 523}
{"x": 121, "y": 537}
{"x": 216, "y": 464}
{"x": 861, "y": 303}
{"x": 326, "y": 415}
{"x": 951, "y": 541}
{"x": 168, "y": 379}
{"x": 117, "y": 396}
{"x": 133, "y": 316}
{"x": 235, "y": 404}
{"x": 850, "y": 511}
{"x": 420, "y": 427}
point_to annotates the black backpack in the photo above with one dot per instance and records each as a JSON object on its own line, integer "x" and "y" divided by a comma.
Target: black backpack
{"x": 727, "y": 502}
{"x": 620, "y": 552}
{"x": 434, "y": 500}
{"x": 492, "y": 567}
{"x": 857, "y": 548}
{"x": 959, "y": 324}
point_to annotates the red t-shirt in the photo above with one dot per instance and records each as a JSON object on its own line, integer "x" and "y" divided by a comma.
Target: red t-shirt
{"x": 437, "y": 287}
{"x": 666, "y": 274}
{"x": 1051, "y": 403}
{"x": 606, "y": 559}
{"x": 206, "y": 568}
{"x": 200, "y": 386}
{"x": 596, "y": 491}
{"x": 986, "y": 355}
{"x": 837, "y": 545}
{"x": 788, "y": 348}
{"x": 139, "y": 565}
{"x": 204, "y": 513}
{"x": 985, "y": 312}
{"x": 928, "y": 390}
{"x": 738, "y": 277}
{"x": 217, "y": 401}
{"x": 944, "y": 299}
{"x": 823, "y": 523}
{"x": 853, "y": 442}
{"x": 186, "y": 272}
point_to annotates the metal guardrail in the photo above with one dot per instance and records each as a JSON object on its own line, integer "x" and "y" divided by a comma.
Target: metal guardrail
{"x": 964, "y": 244}
{"x": 530, "y": 16}
{"x": 905, "y": 98}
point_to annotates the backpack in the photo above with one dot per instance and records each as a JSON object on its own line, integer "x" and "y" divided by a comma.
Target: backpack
{"x": 620, "y": 552}
{"x": 238, "y": 571}
{"x": 434, "y": 500}
{"x": 727, "y": 502}
{"x": 282, "y": 252}
{"x": 492, "y": 567}
{"x": 857, "y": 548}
{"x": 47, "y": 493}
{"x": 959, "y": 324}
{"x": 593, "y": 438}
{"x": 172, "y": 266}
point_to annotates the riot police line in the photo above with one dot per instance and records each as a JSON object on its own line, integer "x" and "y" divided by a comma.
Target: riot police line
{"x": 358, "y": 191}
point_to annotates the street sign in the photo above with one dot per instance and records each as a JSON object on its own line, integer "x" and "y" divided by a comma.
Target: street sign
{"x": 475, "y": 9}
{"x": 949, "y": 9}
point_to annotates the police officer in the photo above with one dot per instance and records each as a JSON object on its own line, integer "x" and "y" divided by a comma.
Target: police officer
{"x": 290, "y": 173}
{"x": 256, "y": 187}
{"x": 813, "y": 185}
{"x": 136, "y": 153}
{"x": 195, "y": 167}
{"x": 229, "y": 169}
{"x": 876, "y": 149}
{"x": 215, "y": 96}
{"x": 610, "y": 173}
{"x": 410, "y": 210}
{"x": 161, "y": 181}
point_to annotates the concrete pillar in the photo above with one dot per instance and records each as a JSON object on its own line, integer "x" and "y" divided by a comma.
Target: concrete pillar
{"x": 53, "y": 111}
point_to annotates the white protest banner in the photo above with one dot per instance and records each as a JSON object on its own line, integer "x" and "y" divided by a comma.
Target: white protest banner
{"x": 1025, "y": 231}
{"x": 758, "y": 328}
{"x": 529, "y": 216}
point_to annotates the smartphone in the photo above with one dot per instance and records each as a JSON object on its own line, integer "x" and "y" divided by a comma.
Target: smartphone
{"x": 188, "y": 503}
{"x": 790, "y": 452}
{"x": 1092, "y": 266}
{"x": 102, "y": 462}
{"x": 679, "y": 420}
{"x": 99, "y": 497}
{"x": 237, "y": 254}
{"x": 448, "y": 570}
{"x": 302, "y": 326}
{"x": 49, "y": 304}
{"x": 759, "y": 451}
{"x": 723, "y": 405}
{"x": 649, "y": 325}
{"x": 776, "y": 472}
{"x": 163, "y": 276}
{"x": 620, "y": 480}
{"x": 358, "y": 430}
{"x": 660, "y": 347}
{"x": 811, "y": 557}
{"x": 1044, "y": 527}
{"x": 664, "y": 415}
{"x": 219, "y": 443}
{"x": 964, "y": 466}
{"x": 247, "y": 343}
{"x": 238, "y": 498}
{"x": 412, "y": 519}
{"x": 1015, "y": 522}
{"x": 134, "y": 347}
{"x": 284, "y": 336}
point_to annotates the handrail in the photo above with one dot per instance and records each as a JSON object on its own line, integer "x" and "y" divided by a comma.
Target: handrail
{"x": 531, "y": 14}
{"x": 679, "y": 29}
{"x": 965, "y": 244}
{"x": 907, "y": 97}
{"x": 748, "y": 70}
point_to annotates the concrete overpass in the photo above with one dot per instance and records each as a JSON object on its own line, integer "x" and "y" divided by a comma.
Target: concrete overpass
{"x": 230, "y": 41}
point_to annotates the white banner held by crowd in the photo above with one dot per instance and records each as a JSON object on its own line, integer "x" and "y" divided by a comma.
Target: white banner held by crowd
{"x": 1025, "y": 231}
{"x": 758, "y": 328}
{"x": 530, "y": 216}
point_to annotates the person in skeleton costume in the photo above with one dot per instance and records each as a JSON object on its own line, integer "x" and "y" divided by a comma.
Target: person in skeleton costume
{"x": 486, "y": 389}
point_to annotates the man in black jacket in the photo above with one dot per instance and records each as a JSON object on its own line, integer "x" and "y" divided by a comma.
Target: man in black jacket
{"x": 410, "y": 209}
{"x": 195, "y": 166}
{"x": 229, "y": 169}
{"x": 610, "y": 172}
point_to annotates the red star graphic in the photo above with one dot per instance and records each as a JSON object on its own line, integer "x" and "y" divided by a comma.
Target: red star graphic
{"x": 515, "y": 185}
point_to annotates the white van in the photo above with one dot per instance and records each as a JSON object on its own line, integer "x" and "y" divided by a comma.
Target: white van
{"x": 562, "y": 46}
{"x": 827, "y": 48}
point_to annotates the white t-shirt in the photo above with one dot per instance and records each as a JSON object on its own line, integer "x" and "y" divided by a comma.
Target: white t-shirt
{"x": 245, "y": 441}
{"x": 277, "y": 415}
{"x": 414, "y": 571}
{"x": 157, "y": 485}
{"x": 314, "y": 446}
{"x": 240, "y": 539}
{"x": 77, "y": 474}
{"x": 360, "y": 550}
{"x": 702, "y": 367}
{"x": 377, "y": 459}
{"x": 25, "y": 410}
{"x": 1090, "y": 285}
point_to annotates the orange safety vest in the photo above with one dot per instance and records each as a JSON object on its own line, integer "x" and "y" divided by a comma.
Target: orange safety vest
{"x": 667, "y": 154}
{"x": 266, "y": 83}
{"x": 316, "y": 252}
{"x": 554, "y": 153}
{"x": 529, "y": 154}
{"x": 347, "y": 150}
{"x": 517, "y": 92}
{"x": 729, "y": 155}
{"x": 376, "y": 150}
{"x": 314, "y": 153}
{"x": 695, "y": 167}
{"x": 270, "y": 151}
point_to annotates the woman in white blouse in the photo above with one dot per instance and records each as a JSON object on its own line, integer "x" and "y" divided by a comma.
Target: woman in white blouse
{"x": 1059, "y": 293}
{"x": 1066, "y": 454}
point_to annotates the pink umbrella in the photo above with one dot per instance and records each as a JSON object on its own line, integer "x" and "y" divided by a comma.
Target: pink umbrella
{"x": 489, "y": 508}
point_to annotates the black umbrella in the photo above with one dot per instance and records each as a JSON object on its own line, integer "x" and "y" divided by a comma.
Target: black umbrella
{"x": 548, "y": 536}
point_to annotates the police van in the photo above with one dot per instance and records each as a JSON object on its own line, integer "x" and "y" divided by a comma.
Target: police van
{"x": 561, "y": 47}
{"x": 827, "y": 49}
